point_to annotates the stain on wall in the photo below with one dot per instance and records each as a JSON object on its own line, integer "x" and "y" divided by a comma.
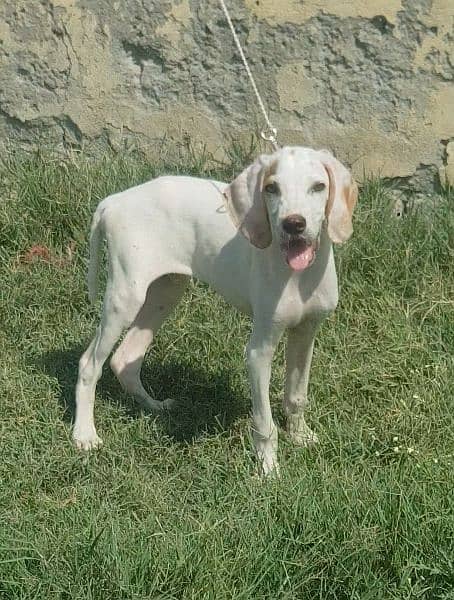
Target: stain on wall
{"x": 372, "y": 81}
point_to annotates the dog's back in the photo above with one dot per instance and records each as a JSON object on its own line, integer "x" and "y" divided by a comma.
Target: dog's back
{"x": 178, "y": 222}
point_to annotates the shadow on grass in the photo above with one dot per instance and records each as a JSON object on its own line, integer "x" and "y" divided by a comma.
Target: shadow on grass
{"x": 206, "y": 403}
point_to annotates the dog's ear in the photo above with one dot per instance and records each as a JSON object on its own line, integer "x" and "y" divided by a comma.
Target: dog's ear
{"x": 246, "y": 206}
{"x": 342, "y": 198}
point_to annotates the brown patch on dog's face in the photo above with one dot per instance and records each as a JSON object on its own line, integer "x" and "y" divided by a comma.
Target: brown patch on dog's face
{"x": 269, "y": 173}
{"x": 271, "y": 169}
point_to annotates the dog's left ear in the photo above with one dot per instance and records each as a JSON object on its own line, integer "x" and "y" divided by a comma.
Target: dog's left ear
{"x": 342, "y": 198}
{"x": 246, "y": 206}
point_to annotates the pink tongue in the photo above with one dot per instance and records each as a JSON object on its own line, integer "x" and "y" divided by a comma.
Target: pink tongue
{"x": 300, "y": 256}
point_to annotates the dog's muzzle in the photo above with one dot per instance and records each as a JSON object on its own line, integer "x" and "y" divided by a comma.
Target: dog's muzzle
{"x": 299, "y": 251}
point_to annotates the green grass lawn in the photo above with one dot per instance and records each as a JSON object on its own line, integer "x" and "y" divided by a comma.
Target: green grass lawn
{"x": 169, "y": 507}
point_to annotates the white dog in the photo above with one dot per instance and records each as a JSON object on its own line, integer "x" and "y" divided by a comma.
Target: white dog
{"x": 269, "y": 254}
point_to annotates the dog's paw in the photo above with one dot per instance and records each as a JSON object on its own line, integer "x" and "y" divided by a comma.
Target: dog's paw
{"x": 299, "y": 432}
{"x": 303, "y": 438}
{"x": 268, "y": 467}
{"x": 169, "y": 403}
{"x": 156, "y": 406}
{"x": 86, "y": 439}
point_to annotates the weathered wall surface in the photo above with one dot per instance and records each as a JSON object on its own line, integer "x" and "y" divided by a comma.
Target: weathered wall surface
{"x": 372, "y": 80}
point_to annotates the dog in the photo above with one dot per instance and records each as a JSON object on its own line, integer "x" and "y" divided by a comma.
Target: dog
{"x": 264, "y": 242}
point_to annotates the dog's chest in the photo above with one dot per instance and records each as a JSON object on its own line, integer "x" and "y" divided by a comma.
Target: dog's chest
{"x": 301, "y": 300}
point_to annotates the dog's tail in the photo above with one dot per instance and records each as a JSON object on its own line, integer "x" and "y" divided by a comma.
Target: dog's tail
{"x": 96, "y": 237}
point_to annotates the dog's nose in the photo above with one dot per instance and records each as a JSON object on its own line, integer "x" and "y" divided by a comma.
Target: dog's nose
{"x": 294, "y": 224}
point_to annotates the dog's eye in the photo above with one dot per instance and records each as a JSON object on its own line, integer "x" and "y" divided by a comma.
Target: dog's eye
{"x": 318, "y": 187}
{"x": 272, "y": 188}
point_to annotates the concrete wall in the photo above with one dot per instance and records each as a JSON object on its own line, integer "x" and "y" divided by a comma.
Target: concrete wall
{"x": 370, "y": 79}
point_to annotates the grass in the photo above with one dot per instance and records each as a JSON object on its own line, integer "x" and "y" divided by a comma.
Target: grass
{"x": 169, "y": 507}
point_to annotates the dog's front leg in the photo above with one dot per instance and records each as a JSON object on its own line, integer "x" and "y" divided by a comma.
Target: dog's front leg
{"x": 260, "y": 350}
{"x": 300, "y": 345}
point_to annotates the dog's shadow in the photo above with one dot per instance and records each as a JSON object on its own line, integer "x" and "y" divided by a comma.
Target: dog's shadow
{"x": 204, "y": 403}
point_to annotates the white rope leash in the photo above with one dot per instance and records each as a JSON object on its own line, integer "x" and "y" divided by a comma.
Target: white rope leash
{"x": 271, "y": 134}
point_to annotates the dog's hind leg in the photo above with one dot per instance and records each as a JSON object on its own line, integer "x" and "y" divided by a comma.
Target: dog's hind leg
{"x": 121, "y": 305}
{"x": 162, "y": 296}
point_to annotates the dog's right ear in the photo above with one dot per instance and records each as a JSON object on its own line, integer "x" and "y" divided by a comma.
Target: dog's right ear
{"x": 246, "y": 206}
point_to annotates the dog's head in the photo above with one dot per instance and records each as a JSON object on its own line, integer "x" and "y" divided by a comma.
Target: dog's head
{"x": 287, "y": 196}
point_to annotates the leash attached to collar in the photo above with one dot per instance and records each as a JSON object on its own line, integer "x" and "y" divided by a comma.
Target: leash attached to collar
{"x": 269, "y": 134}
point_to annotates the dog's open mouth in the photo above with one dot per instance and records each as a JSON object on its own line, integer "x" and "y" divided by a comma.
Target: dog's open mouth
{"x": 299, "y": 252}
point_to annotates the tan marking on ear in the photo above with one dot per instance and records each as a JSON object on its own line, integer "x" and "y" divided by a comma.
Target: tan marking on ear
{"x": 351, "y": 196}
{"x": 245, "y": 204}
{"x": 342, "y": 197}
{"x": 331, "y": 191}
